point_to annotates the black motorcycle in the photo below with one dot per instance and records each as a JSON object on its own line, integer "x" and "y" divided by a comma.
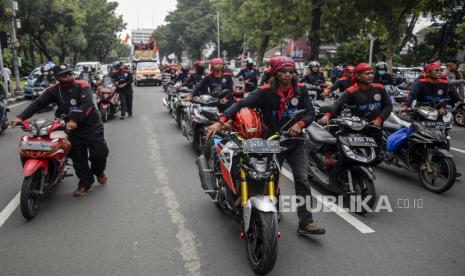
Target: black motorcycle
{"x": 419, "y": 141}
{"x": 178, "y": 103}
{"x": 340, "y": 159}
{"x": 3, "y": 117}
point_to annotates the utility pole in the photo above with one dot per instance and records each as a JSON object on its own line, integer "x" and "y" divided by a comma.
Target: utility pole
{"x": 372, "y": 40}
{"x": 10, "y": 9}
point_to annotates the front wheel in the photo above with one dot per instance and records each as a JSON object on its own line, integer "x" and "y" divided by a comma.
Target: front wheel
{"x": 440, "y": 176}
{"x": 30, "y": 198}
{"x": 364, "y": 191}
{"x": 104, "y": 114}
{"x": 262, "y": 241}
{"x": 459, "y": 116}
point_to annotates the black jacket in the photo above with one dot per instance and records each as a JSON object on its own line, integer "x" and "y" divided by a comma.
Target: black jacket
{"x": 342, "y": 84}
{"x": 209, "y": 83}
{"x": 193, "y": 79}
{"x": 76, "y": 101}
{"x": 267, "y": 101}
{"x": 123, "y": 76}
{"x": 314, "y": 78}
{"x": 424, "y": 90}
{"x": 368, "y": 104}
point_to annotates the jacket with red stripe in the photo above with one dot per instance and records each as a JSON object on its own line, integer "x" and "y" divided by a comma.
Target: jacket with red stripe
{"x": 342, "y": 84}
{"x": 370, "y": 104}
{"x": 424, "y": 90}
{"x": 267, "y": 101}
{"x": 75, "y": 101}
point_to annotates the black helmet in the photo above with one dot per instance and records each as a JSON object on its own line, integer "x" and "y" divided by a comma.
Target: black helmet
{"x": 185, "y": 67}
{"x": 61, "y": 69}
{"x": 117, "y": 64}
{"x": 381, "y": 66}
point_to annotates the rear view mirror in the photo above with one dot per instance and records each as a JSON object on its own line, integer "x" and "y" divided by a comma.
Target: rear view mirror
{"x": 210, "y": 115}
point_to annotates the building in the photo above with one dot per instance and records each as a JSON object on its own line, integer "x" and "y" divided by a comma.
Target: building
{"x": 141, "y": 35}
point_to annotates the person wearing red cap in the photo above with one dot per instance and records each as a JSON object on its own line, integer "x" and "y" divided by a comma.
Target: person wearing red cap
{"x": 268, "y": 72}
{"x": 218, "y": 79}
{"x": 345, "y": 81}
{"x": 431, "y": 89}
{"x": 276, "y": 102}
{"x": 197, "y": 76}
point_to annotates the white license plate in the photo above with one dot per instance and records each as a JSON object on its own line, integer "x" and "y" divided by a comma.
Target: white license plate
{"x": 36, "y": 145}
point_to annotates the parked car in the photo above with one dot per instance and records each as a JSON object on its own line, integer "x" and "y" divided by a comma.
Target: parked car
{"x": 29, "y": 92}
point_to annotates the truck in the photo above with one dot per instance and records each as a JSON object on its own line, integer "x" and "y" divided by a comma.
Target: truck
{"x": 145, "y": 64}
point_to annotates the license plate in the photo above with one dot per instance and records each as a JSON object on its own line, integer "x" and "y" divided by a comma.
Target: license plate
{"x": 361, "y": 141}
{"x": 36, "y": 145}
{"x": 434, "y": 125}
{"x": 260, "y": 146}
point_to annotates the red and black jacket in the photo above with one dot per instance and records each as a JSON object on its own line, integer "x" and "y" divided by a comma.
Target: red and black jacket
{"x": 371, "y": 103}
{"x": 425, "y": 90}
{"x": 269, "y": 102}
{"x": 342, "y": 84}
{"x": 76, "y": 101}
{"x": 210, "y": 83}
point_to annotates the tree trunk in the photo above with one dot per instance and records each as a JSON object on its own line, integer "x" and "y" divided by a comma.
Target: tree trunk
{"x": 389, "y": 52}
{"x": 262, "y": 50}
{"x": 31, "y": 51}
{"x": 314, "y": 35}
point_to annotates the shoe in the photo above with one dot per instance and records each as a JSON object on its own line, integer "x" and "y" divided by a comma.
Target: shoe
{"x": 311, "y": 229}
{"x": 121, "y": 118}
{"x": 130, "y": 115}
{"x": 102, "y": 179}
{"x": 81, "y": 191}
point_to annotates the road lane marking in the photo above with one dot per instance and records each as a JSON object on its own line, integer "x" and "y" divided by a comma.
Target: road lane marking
{"x": 9, "y": 209}
{"x": 341, "y": 212}
{"x": 18, "y": 104}
{"x": 188, "y": 248}
{"x": 458, "y": 150}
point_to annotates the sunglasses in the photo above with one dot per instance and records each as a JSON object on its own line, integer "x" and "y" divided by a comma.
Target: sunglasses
{"x": 286, "y": 70}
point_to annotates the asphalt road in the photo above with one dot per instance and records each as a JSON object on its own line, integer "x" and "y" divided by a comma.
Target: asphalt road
{"x": 153, "y": 219}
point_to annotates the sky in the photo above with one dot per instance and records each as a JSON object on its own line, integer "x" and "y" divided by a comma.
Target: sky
{"x": 144, "y": 13}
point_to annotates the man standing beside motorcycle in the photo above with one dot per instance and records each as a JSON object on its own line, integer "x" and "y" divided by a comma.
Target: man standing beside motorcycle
{"x": 365, "y": 99}
{"x": 277, "y": 101}
{"x": 455, "y": 79}
{"x": 218, "y": 79}
{"x": 250, "y": 75}
{"x": 83, "y": 123}
{"x": 123, "y": 79}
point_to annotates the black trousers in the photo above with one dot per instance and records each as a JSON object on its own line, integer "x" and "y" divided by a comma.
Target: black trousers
{"x": 87, "y": 148}
{"x": 296, "y": 157}
{"x": 126, "y": 101}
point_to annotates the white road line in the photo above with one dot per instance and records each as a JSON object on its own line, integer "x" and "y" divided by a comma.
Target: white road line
{"x": 342, "y": 212}
{"x": 185, "y": 237}
{"x": 456, "y": 149}
{"x": 18, "y": 104}
{"x": 9, "y": 209}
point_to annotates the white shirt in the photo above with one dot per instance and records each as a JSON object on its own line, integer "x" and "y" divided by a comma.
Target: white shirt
{"x": 6, "y": 73}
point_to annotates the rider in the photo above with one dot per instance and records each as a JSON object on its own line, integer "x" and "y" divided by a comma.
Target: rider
{"x": 455, "y": 78}
{"x": 184, "y": 74}
{"x": 123, "y": 79}
{"x": 250, "y": 75}
{"x": 85, "y": 74}
{"x": 345, "y": 81}
{"x": 86, "y": 132}
{"x": 381, "y": 75}
{"x": 217, "y": 79}
{"x": 2, "y": 103}
{"x": 366, "y": 99}
{"x": 268, "y": 72}
{"x": 315, "y": 78}
{"x": 277, "y": 101}
{"x": 197, "y": 76}
{"x": 45, "y": 79}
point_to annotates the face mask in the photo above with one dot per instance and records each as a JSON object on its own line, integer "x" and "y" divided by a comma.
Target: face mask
{"x": 381, "y": 72}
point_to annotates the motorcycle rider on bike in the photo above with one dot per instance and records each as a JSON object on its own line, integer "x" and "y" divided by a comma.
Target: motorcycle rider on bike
{"x": 366, "y": 99}
{"x": 345, "y": 81}
{"x": 217, "y": 79}
{"x": 250, "y": 75}
{"x": 45, "y": 79}
{"x": 197, "y": 76}
{"x": 85, "y": 128}
{"x": 268, "y": 72}
{"x": 381, "y": 75}
{"x": 431, "y": 89}
{"x": 123, "y": 79}
{"x": 315, "y": 78}
{"x": 277, "y": 101}
{"x": 184, "y": 74}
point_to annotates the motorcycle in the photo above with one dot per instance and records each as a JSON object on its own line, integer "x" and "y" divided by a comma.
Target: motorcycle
{"x": 178, "y": 103}
{"x": 108, "y": 101}
{"x": 240, "y": 172}
{"x": 166, "y": 80}
{"x": 458, "y": 113}
{"x": 3, "y": 116}
{"x": 340, "y": 159}
{"x": 43, "y": 155}
{"x": 194, "y": 124}
{"x": 419, "y": 141}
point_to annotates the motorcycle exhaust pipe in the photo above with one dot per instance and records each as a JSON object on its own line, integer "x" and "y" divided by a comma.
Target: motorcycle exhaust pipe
{"x": 207, "y": 178}
{"x": 165, "y": 103}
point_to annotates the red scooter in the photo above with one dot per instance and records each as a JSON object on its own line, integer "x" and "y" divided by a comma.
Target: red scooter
{"x": 108, "y": 102}
{"x": 43, "y": 154}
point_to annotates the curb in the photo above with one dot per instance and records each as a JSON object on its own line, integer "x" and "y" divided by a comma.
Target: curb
{"x": 14, "y": 99}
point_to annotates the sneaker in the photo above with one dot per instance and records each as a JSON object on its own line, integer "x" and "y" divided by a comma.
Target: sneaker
{"x": 311, "y": 229}
{"x": 102, "y": 179}
{"x": 121, "y": 118}
{"x": 81, "y": 191}
{"x": 129, "y": 115}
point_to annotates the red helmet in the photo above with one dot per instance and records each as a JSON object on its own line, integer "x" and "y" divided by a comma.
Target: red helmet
{"x": 216, "y": 61}
{"x": 349, "y": 69}
{"x": 430, "y": 67}
{"x": 363, "y": 67}
{"x": 283, "y": 62}
{"x": 273, "y": 60}
{"x": 248, "y": 124}
{"x": 199, "y": 64}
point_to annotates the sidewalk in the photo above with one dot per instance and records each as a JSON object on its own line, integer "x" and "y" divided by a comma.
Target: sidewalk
{"x": 12, "y": 99}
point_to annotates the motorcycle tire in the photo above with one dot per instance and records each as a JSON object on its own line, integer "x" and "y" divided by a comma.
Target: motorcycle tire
{"x": 104, "y": 115}
{"x": 29, "y": 200}
{"x": 261, "y": 241}
{"x": 136, "y": 83}
{"x": 446, "y": 165}
{"x": 363, "y": 187}
{"x": 178, "y": 117}
{"x": 459, "y": 116}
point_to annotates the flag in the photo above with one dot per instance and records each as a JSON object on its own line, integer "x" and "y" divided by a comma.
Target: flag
{"x": 172, "y": 56}
{"x": 126, "y": 39}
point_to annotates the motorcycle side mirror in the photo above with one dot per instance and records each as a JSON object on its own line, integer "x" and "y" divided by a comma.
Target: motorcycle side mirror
{"x": 294, "y": 118}
{"x": 211, "y": 116}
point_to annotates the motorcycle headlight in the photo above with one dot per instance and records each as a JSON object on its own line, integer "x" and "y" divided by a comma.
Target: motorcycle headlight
{"x": 432, "y": 115}
{"x": 363, "y": 159}
{"x": 44, "y": 131}
{"x": 33, "y": 130}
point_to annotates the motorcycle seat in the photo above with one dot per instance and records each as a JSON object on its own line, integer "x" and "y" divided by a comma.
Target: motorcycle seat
{"x": 323, "y": 106}
{"x": 319, "y": 135}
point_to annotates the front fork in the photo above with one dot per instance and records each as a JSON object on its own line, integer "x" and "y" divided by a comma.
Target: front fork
{"x": 245, "y": 188}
